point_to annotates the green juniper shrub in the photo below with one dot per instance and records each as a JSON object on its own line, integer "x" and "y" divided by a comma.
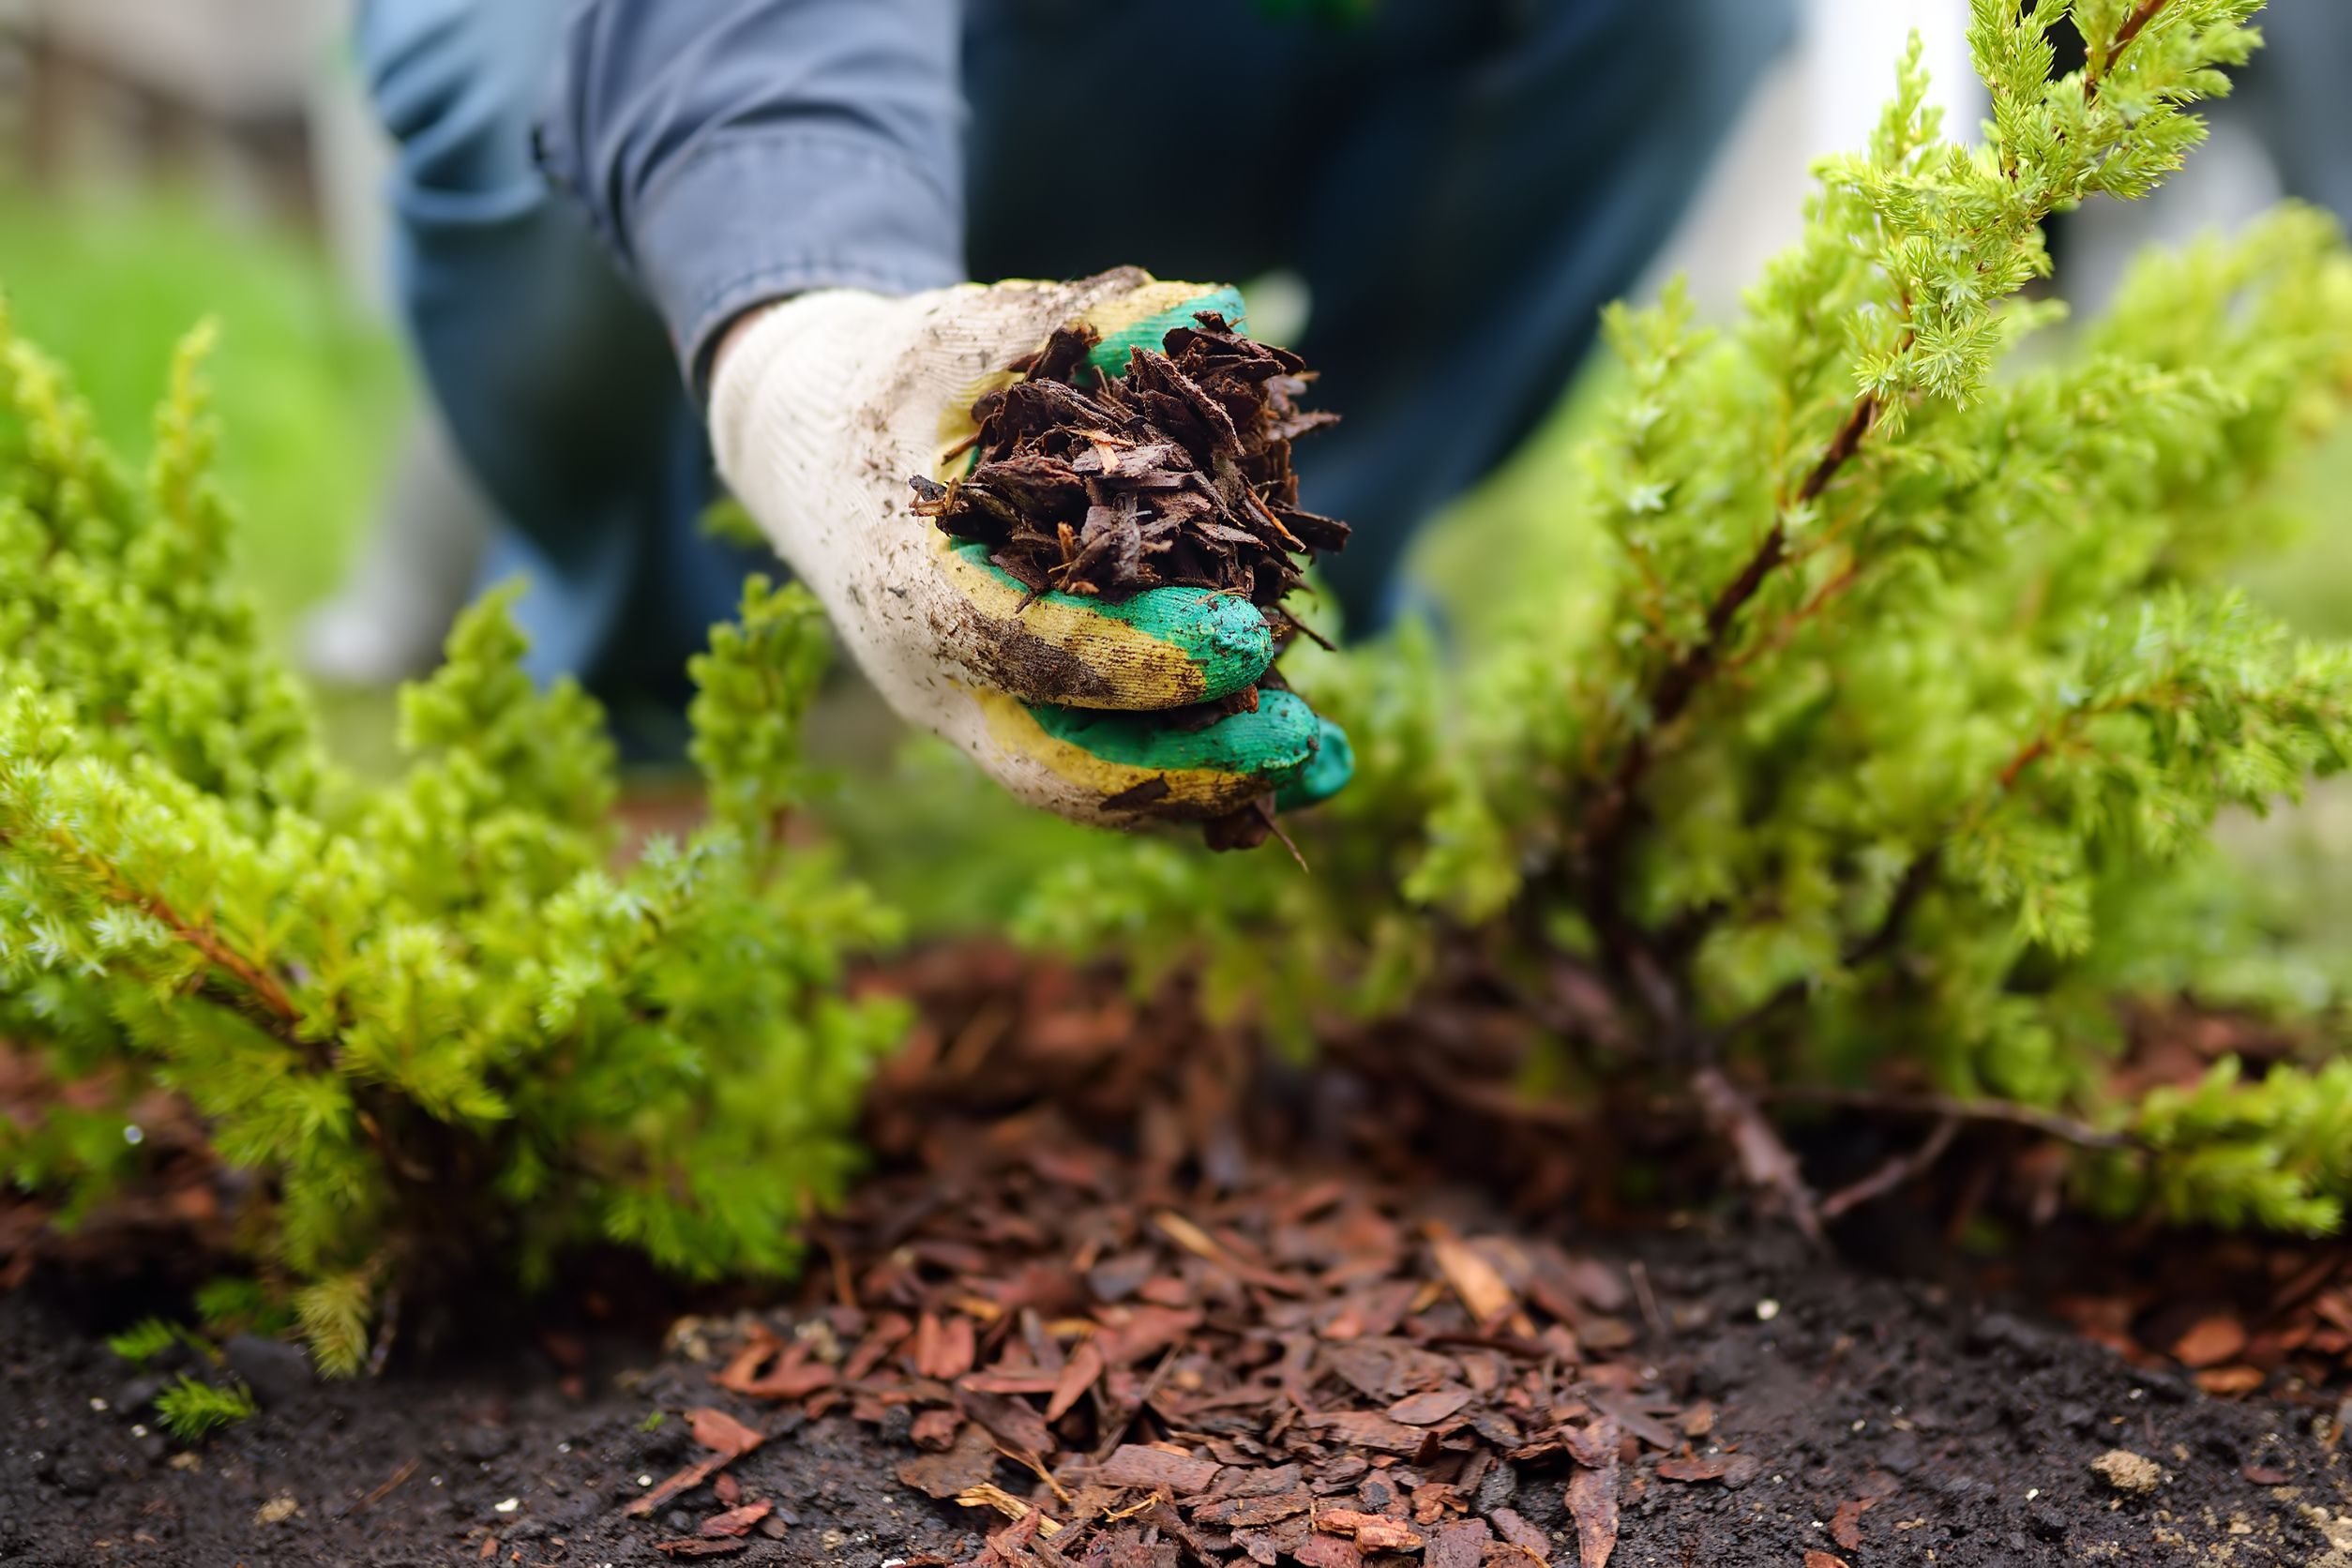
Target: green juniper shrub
{"x": 437, "y": 1020}
{"x": 1885, "y": 752}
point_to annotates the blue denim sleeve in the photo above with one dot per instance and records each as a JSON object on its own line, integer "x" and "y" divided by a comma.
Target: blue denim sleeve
{"x": 731, "y": 152}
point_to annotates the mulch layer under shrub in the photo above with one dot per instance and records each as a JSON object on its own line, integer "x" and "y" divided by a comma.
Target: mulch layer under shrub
{"x": 1118, "y": 1296}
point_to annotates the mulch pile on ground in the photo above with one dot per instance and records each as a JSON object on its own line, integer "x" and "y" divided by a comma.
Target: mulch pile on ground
{"x": 1176, "y": 474}
{"x": 1174, "y": 1351}
{"x": 1251, "y": 1372}
{"x": 1122, "y": 1295}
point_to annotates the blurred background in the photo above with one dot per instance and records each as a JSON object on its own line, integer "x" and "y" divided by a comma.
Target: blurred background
{"x": 165, "y": 160}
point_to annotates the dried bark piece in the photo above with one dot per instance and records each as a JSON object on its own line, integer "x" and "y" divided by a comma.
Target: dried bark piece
{"x": 1427, "y": 1409}
{"x": 1010, "y": 1422}
{"x": 698, "y": 1545}
{"x": 2210, "y": 1342}
{"x": 1482, "y": 1289}
{"x": 970, "y": 1462}
{"x": 1845, "y": 1524}
{"x": 943, "y": 1349}
{"x": 1592, "y": 1504}
{"x": 735, "y": 1521}
{"x": 717, "y": 1429}
{"x": 1141, "y": 1465}
{"x": 1460, "y": 1544}
{"x": 1733, "y": 1470}
{"x": 1375, "y": 1532}
{"x": 934, "y": 1430}
{"x": 1366, "y": 1429}
{"x": 1514, "y": 1526}
{"x": 1078, "y": 1374}
{"x": 1330, "y": 1551}
{"x": 1245, "y": 1513}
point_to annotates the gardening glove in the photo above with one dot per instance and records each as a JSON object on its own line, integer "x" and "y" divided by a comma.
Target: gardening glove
{"x": 824, "y": 406}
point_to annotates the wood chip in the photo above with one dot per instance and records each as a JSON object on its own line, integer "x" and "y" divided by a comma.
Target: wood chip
{"x": 971, "y": 1460}
{"x": 934, "y": 1431}
{"x": 1846, "y": 1526}
{"x": 1078, "y": 1374}
{"x": 736, "y": 1521}
{"x": 717, "y": 1430}
{"x": 1427, "y": 1409}
{"x": 1331, "y": 1551}
{"x": 1482, "y": 1291}
{"x": 1733, "y": 1470}
{"x": 1252, "y": 1512}
{"x": 2231, "y": 1380}
{"x": 2210, "y": 1342}
{"x": 1140, "y": 1465}
{"x": 1459, "y": 1545}
{"x": 1366, "y": 1429}
{"x": 1513, "y": 1528}
{"x": 1375, "y": 1532}
{"x": 1592, "y": 1504}
{"x": 988, "y": 1495}
{"x": 1013, "y": 1423}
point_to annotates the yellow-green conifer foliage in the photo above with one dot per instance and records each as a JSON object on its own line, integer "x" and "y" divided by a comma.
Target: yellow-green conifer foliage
{"x": 435, "y": 1021}
{"x": 1889, "y": 746}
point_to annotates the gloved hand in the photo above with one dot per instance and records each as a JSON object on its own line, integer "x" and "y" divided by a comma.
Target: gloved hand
{"x": 824, "y": 405}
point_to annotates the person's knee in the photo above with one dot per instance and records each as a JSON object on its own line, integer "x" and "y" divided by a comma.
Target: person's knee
{"x": 457, "y": 84}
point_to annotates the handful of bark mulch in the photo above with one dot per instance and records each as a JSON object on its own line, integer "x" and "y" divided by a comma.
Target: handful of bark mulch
{"x": 1177, "y": 474}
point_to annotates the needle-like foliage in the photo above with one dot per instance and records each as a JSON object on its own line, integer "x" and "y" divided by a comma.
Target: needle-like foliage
{"x": 437, "y": 1021}
{"x": 1888, "y": 749}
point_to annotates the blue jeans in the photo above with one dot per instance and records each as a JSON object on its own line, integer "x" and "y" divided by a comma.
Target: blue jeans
{"x": 1461, "y": 183}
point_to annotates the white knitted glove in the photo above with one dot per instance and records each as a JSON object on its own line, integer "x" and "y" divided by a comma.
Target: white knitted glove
{"x": 824, "y": 406}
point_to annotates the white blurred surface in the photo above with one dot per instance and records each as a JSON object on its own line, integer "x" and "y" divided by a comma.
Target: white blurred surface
{"x": 232, "y": 59}
{"x": 1822, "y": 97}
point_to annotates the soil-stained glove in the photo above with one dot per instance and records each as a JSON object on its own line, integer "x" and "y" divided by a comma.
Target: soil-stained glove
{"x": 822, "y": 408}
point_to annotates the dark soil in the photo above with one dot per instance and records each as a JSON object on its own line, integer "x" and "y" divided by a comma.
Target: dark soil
{"x": 1375, "y": 1363}
{"x": 1968, "y": 1433}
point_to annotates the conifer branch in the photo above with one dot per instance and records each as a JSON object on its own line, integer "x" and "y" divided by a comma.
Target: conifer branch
{"x": 2096, "y": 68}
{"x": 280, "y": 1014}
{"x": 509, "y": 986}
{"x": 1691, "y": 668}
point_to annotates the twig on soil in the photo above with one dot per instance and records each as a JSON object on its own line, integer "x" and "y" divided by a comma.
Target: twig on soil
{"x": 1765, "y": 1161}
{"x": 388, "y": 1330}
{"x": 1898, "y": 1172}
{"x": 2065, "y": 1129}
{"x": 391, "y": 1484}
{"x": 1638, "y": 1272}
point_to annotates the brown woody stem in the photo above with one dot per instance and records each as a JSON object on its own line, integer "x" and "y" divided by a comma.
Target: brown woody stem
{"x": 258, "y": 982}
{"x": 2142, "y": 14}
{"x": 2065, "y": 1129}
